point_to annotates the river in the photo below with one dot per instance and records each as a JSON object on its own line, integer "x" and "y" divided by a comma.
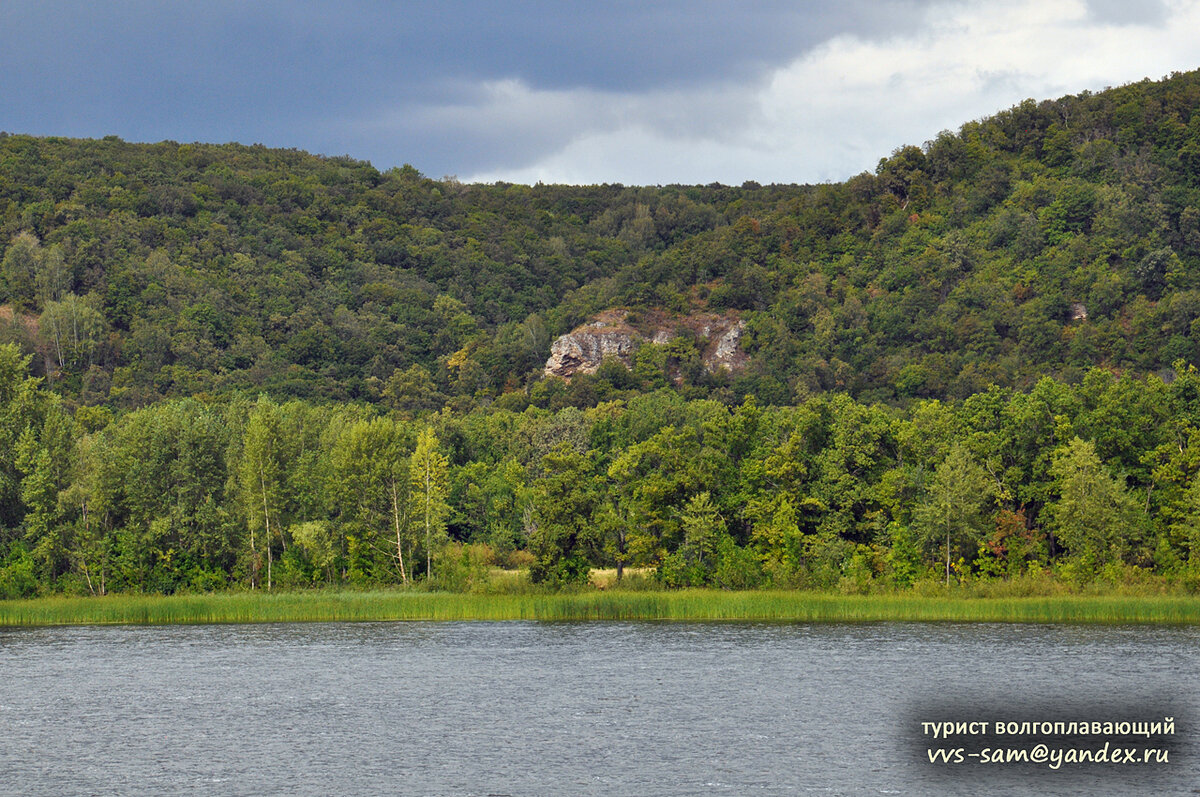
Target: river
{"x": 520, "y": 708}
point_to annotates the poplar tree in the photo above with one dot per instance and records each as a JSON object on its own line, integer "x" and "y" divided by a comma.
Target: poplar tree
{"x": 427, "y": 473}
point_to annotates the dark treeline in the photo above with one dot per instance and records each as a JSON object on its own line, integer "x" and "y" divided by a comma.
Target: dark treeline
{"x": 230, "y": 365}
{"x": 1097, "y": 479}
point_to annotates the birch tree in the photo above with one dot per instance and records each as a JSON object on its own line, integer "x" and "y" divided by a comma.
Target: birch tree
{"x": 371, "y": 487}
{"x": 262, "y": 480}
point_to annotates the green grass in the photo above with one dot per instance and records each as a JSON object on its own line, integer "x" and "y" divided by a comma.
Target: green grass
{"x": 699, "y": 605}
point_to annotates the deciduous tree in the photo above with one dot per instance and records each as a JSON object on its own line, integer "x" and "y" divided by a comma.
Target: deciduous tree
{"x": 955, "y": 509}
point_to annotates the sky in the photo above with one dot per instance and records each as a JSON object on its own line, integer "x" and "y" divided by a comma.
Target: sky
{"x": 560, "y": 91}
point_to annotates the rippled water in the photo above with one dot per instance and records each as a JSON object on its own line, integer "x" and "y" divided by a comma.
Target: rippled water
{"x": 570, "y": 708}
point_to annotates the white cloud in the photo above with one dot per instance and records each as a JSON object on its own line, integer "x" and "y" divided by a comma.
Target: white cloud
{"x": 833, "y": 112}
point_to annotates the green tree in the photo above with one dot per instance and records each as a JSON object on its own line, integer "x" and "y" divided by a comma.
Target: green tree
{"x": 779, "y": 541}
{"x": 563, "y": 532}
{"x": 156, "y": 488}
{"x": 371, "y": 486}
{"x": 653, "y": 480}
{"x": 52, "y": 278}
{"x": 90, "y": 552}
{"x": 412, "y": 390}
{"x": 39, "y": 493}
{"x": 1095, "y": 517}
{"x": 704, "y": 541}
{"x": 318, "y": 541}
{"x": 428, "y": 476}
{"x": 19, "y": 267}
{"x": 21, "y": 402}
{"x": 262, "y": 477}
{"x": 1188, "y": 526}
{"x": 72, "y": 327}
{"x": 955, "y": 509}
{"x": 703, "y": 528}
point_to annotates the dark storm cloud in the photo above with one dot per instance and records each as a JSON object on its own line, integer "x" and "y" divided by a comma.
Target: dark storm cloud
{"x": 632, "y": 46}
{"x": 316, "y": 75}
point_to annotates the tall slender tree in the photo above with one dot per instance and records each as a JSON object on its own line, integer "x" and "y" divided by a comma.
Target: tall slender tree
{"x": 428, "y": 475}
{"x": 262, "y": 480}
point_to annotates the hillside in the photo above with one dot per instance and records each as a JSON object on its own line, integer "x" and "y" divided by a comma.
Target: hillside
{"x": 234, "y": 366}
{"x": 1047, "y": 239}
{"x": 208, "y": 268}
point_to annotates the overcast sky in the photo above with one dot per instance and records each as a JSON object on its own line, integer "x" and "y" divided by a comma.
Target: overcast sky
{"x": 674, "y": 91}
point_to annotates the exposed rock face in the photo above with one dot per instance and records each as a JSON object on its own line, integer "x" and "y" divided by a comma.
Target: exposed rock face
{"x": 725, "y": 352}
{"x": 611, "y": 334}
{"x": 582, "y": 351}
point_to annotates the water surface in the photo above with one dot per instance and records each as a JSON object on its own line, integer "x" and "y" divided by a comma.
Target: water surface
{"x": 571, "y": 708}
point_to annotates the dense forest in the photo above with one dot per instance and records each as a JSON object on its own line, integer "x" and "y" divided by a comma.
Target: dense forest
{"x": 235, "y": 366}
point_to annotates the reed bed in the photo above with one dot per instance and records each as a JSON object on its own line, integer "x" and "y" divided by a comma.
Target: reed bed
{"x": 685, "y": 605}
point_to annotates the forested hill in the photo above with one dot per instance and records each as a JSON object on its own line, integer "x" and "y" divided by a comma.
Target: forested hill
{"x": 1048, "y": 239}
{"x": 233, "y": 366}
{"x": 184, "y": 269}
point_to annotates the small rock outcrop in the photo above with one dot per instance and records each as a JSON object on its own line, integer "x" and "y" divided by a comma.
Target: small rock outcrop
{"x": 611, "y": 334}
{"x": 582, "y": 350}
{"x": 725, "y": 352}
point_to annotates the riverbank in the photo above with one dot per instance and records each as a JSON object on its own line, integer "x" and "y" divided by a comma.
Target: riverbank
{"x": 684, "y": 605}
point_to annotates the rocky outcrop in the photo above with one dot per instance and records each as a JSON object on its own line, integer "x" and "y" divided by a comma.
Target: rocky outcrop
{"x": 582, "y": 350}
{"x": 726, "y": 351}
{"x": 612, "y": 334}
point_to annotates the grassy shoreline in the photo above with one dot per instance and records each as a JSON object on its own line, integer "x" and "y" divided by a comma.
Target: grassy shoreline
{"x": 684, "y": 605}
